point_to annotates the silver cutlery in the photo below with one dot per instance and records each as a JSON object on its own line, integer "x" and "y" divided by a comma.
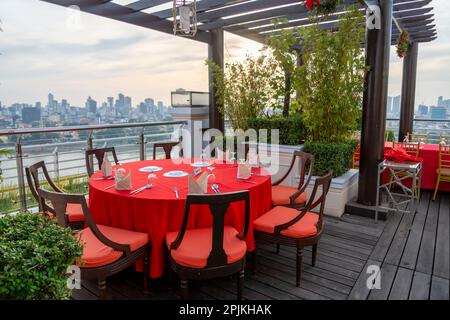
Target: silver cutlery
{"x": 248, "y": 181}
{"x": 148, "y": 186}
{"x": 109, "y": 187}
{"x": 215, "y": 188}
{"x": 103, "y": 178}
{"x": 175, "y": 189}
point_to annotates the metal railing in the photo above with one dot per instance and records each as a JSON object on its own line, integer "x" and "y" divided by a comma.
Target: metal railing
{"x": 65, "y": 159}
{"x": 435, "y": 128}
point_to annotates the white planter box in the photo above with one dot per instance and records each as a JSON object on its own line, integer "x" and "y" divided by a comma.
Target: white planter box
{"x": 343, "y": 189}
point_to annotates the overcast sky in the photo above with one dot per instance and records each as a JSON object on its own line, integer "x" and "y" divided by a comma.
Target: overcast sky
{"x": 42, "y": 53}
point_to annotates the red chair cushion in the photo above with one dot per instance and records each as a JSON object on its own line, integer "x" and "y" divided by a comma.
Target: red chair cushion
{"x": 281, "y": 194}
{"x": 96, "y": 254}
{"x": 74, "y": 212}
{"x": 305, "y": 227}
{"x": 196, "y": 246}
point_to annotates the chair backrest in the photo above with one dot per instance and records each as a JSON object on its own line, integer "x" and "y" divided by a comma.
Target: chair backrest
{"x": 218, "y": 205}
{"x": 418, "y": 137}
{"x": 306, "y": 164}
{"x": 444, "y": 156}
{"x": 444, "y": 138}
{"x": 411, "y": 148}
{"x": 167, "y": 147}
{"x": 322, "y": 183}
{"x": 99, "y": 154}
{"x": 32, "y": 173}
{"x": 60, "y": 201}
{"x": 356, "y": 157}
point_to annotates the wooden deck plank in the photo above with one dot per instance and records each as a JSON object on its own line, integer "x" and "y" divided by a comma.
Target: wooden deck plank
{"x": 361, "y": 291}
{"x": 420, "y": 287}
{"x": 383, "y": 244}
{"x": 398, "y": 243}
{"x": 411, "y": 252}
{"x": 402, "y": 284}
{"x": 439, "y": 288}
{"x": 428, "y": 244}
{"x": 441, "y": 266}
{"x": 387, "y": 276}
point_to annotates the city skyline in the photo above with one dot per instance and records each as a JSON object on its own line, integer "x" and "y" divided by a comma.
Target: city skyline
{"x": 41, "y": 53}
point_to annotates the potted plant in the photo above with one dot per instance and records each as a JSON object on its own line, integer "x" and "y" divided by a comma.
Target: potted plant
{"x": 34, "y": 256}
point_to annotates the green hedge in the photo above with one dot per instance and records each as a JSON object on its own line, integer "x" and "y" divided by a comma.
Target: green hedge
{"x": 292, "y": 129}
{"x": 331, "y": 156}
{"x": 34, "y": 256}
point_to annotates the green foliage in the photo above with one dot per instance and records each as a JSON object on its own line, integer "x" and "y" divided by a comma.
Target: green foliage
{"x": 292, "y": 129}
{"x": 34, "y": 256}
{"x": 243, "y": 89}
{"x": 3, "y": 152}
{"x": 331, "y": 156}
{"x": 403, "y": 43}
{"x": 284, "y": 60}
{"x": 331, "y": 80}
{"x": 390, "y": 136}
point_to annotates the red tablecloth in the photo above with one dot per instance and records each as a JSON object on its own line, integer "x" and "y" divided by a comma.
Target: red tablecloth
{"x": 157, "y": 211}
{"x": 430, "y": 155}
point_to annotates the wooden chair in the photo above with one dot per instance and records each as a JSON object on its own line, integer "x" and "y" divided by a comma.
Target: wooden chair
{"x": 418, "y": 137}
{"x": 356, "y": 157}
{"x": 443, "y": 171}
{"x": 290, "y": 227}
{"x": 444, "y": 138}
{"x": 218, "y": 251}
{"x": 167, "y": 147}
{"x": 292, "y": 196}
{"x": 106, "y": 250}
{"x": 413, "y": 149}
{"x": 99, "y": 154}
{"x": 73, "y": 215}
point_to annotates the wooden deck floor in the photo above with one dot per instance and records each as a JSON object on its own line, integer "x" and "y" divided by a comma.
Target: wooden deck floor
{"x": 412, "y": 252}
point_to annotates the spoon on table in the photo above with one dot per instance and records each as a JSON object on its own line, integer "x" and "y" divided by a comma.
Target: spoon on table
{"x": 148, "y": 186}
{"x": 215, "y": 188}
{"x": 175, "y": 189}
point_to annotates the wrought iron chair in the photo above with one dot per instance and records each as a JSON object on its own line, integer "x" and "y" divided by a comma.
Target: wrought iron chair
{"x": 413, "y": 149}
{"x": 443, "y": 171}
{"x": 106, "y": 250}
{"x": 290, "y": 227}
{"x": 167, "y": 147}
{"x": 73, "y": 215}
{"x": 444, "y": 138}
{"x": 294, "y": 197}
{"x": 99, "y": 154}
{"x": 356, "y": 157}
{"x": 207, "y": 253}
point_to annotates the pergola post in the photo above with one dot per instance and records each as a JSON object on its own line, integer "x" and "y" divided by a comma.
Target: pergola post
{"x": 408, "y": 91}
{"x": 215, "y": 54}
{"x": 378, "y": 43}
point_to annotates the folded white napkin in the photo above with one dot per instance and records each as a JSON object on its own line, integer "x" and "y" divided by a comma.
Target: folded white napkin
{"x": 223, "y": 156}
{"x": 123, "y": 179}
{"x": 253, "y": 159}
{"x": 198, "y": 186}
{"x": 106, "y": 168}
{"x": 244, "y": 171}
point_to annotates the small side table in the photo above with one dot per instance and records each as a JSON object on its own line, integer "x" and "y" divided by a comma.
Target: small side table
{"x": 398, "y": 173}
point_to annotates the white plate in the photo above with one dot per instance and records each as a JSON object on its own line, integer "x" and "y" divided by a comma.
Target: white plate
{"x": 150, "y": 169}
{"x": 201, "y": 164}
{"x": 175, "y": 174}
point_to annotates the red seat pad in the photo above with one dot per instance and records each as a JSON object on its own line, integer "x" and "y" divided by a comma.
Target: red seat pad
{"x": 196, "y": 246}
{"x": 305, "y": 227}
{"x": 96, "y": 254}
{"x": 74, "y": 212}
{"x": 281, "y": 194}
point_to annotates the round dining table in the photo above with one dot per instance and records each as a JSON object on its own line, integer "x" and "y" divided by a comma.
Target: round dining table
{"x": 159, "y": 210}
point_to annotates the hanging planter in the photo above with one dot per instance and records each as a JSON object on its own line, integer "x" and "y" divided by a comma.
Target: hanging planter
{"x": 403, "y": 43}
{"x": 324, "y": 7}
{"x": 185, "y": 18}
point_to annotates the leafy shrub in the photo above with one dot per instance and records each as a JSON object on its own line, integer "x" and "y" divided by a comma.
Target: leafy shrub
{"x": 34, "y": 256}
{"x": 390, "y": 136}
{"x": 331, "y": 156}
{"x": 292, "y": 128}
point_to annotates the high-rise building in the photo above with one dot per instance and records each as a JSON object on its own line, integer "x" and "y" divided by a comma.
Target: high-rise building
{"x": 31, "y": 114}
{"x": 389, "y": 105}
{"x": 439, "y": 113}
{"x": 440, "y": 102}
{"x": 423, "y": 110}
{"x": 396, "y": 104}
{"x": 110, "y": 104}
{"x": 91, "y": 105}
